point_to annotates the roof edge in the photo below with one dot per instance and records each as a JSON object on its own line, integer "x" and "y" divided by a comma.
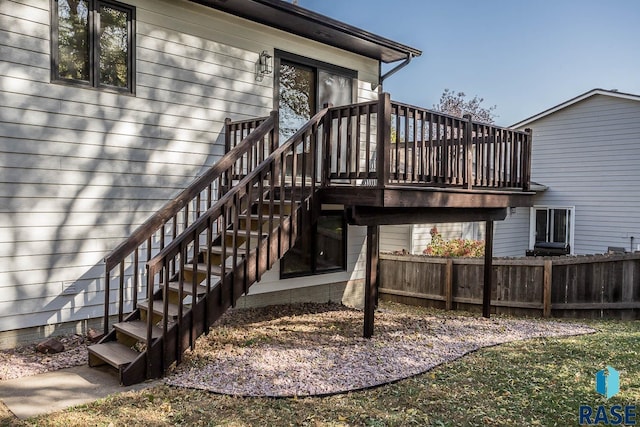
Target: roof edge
{"x": 313, "y": 18}
{"x": 341, "y": 26}
{"x": 588, "y": 94}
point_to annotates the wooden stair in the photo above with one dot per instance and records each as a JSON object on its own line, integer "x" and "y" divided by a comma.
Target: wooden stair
{"x": 126, "y": 348}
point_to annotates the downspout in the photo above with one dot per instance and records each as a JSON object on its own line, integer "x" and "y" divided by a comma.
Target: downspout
{"x": 392, "y": 71}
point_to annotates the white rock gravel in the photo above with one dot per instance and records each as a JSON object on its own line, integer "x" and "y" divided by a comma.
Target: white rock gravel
{"x": 313, "y": 349}
{"x": 25, "y": 361}
{"x": 309, "y": 349}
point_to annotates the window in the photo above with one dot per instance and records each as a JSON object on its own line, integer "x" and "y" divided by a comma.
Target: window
{"x": 552, "y": 224}
{"x": 92, "y": 44}
{"x": 322, "y": 250}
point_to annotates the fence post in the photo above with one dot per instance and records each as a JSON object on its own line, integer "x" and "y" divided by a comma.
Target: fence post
{"x": 383, "y": 139}
{"x": 546, "y": 290}
{"x": 448, "y": 284}
{"x": 468, "y": 148}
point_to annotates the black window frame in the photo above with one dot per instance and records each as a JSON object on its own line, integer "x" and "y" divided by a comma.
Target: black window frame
{"x": 316, "y": 66}
{"x": 94, "y": 47}
{"x": 313, "y": 248}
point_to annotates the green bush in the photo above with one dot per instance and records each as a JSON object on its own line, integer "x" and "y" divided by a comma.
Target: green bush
{"x": 453, "y": 248}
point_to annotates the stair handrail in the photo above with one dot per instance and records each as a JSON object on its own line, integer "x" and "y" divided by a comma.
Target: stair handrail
{"x": 242, "y": 195}
{"x": 152, "y": 224}
{"x": 162, "y": 217}
{"x": 174, "y": 245}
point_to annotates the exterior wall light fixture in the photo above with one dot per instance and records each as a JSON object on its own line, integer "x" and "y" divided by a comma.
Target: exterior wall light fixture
{"x": 264, "y": 65}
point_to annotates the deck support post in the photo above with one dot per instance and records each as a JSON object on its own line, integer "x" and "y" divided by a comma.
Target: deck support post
{"x": 371, "y": 281}
{"x": 488, "y": 270}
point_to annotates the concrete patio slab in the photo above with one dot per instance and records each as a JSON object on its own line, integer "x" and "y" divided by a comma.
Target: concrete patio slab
{"x": 53, "y": 391}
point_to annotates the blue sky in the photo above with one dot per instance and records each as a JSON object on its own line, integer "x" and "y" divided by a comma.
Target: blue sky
{"x": 523, "y": 56}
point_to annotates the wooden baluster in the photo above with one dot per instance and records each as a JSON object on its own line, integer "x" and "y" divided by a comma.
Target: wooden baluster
{"x": 349, "y": 148}
{"x": 431, "y": 157}
{"x": 367, "y": 142}
{"x": 358, "y": 156}
{"x": 235, "y": 208}
{"x": 383, "y": 140}
{"x": 272, "y": 182}
{"x": 261, "y": 178}
{"x": 135, "y": 277}
{"x": 150, "y": 287}
{"x": 121, "y": 293}
{"x": 406, "y": 145}
{"x": 107, "y": 290}
{"x": 526, "y": 159}
{"x": 339, "y": 145}
{"x": 227, "y": 135}
{"x": 414, "y": 152}
{"x": 223, "y": 246}
{"x": 396, "y": 160}
{"x": 439, "y": 150}
{"x": 294, "y": 172}
{"x": 247, "y": 234}
{"x": 468, "y": 149}
{"x": 151, "y": 274}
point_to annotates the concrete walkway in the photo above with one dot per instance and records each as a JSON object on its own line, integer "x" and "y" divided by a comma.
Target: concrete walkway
{"x": 53, "y": 391}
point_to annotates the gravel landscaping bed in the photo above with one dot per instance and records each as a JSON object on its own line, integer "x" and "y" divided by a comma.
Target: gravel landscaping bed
{"x": 25, "y": 361}
{"x": 318, "y": 349}
{"x": 313, "y": 349}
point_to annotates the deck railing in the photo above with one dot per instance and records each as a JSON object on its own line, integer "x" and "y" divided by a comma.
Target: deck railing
{"x": 384, "y": 143}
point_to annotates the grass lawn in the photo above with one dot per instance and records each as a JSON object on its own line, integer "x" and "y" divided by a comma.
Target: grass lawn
{"x": 536, "y": 382}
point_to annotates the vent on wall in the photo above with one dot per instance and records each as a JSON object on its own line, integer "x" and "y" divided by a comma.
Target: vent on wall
{"x": 69, "y": 288}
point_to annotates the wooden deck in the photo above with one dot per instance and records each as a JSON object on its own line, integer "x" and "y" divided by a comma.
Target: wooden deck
{"x": 386, "y": 163}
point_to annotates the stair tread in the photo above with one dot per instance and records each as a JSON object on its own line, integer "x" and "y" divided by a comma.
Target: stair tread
{"x": 187, "y": 287}
{"x": 158, "y": 306}
{"x": 243, "y": 232}
{"x": 229, "y": 249}
{"x": 201, "y": 267}
{"x": 265, "y": 217}
{"x": 137, "y": 329}
{"x": 114, "y": 353}
{"x": 277, "y": 202}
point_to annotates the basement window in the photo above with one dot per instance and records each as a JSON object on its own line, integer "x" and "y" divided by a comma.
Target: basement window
{"x": 93, "y": 44}
{"x": 551, "y": 224}
{"x": 323, "y": 249}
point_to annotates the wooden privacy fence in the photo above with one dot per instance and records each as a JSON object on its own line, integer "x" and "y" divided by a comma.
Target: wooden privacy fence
{"x": 580, "y": 287}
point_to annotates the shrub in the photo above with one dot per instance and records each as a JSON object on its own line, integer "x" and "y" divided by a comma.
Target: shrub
{"x": 453, "y": 248}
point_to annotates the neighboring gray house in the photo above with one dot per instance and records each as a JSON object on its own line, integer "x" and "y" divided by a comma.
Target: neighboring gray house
{"x": 93, "y": 142}
{"x": 586, "y": 153}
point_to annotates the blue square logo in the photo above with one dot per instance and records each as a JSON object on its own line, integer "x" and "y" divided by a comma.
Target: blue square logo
{"x": 608, "y": 382}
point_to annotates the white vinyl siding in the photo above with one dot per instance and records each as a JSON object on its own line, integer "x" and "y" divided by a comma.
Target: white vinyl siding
{"x": 395, "y": 238}
{"x": 82, "y": 168}
{"x": 588, "y": 155}
{"x": 511, "y": 236}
